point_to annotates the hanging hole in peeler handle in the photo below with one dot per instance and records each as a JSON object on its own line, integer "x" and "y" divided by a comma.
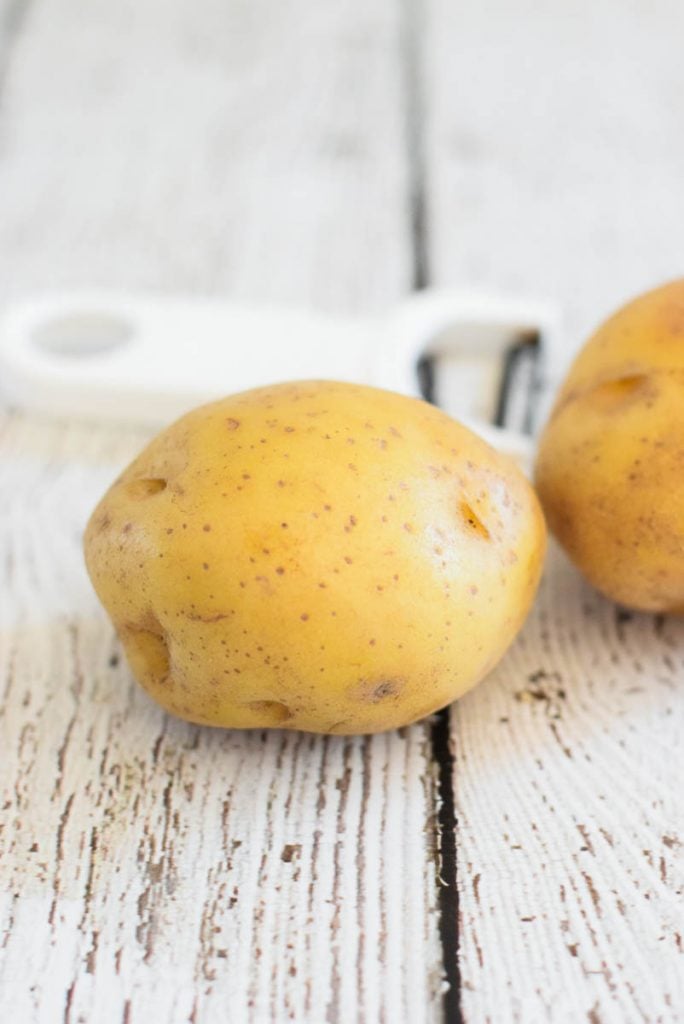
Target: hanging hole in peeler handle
{"x": 78, "y": 335}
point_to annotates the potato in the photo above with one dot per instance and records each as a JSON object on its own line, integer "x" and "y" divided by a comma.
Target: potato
{"x": 611, "y": 459}
{"x": 318, "y": 556}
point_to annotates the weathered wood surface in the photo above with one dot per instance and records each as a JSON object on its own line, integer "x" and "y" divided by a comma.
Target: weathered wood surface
{"x": 151, "y": 870}
{"x": 569, "y": 764}
{"x": 251, "y": 148}
{"x": 555, "y": 154}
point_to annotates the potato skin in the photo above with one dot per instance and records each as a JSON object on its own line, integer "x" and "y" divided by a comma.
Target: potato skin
{"x": 316, "y": 556}
{"x": 610, "y": 465}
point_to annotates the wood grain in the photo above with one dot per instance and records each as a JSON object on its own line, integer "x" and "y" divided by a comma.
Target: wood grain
{"x": 554, "y": 161}
{"x": 152, "y": 870}
{"x": 568, "y": 777}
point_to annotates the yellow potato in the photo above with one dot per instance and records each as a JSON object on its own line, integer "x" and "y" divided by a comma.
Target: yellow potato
{"x": 611, "y": 460}
{"x": 317, "y": 556}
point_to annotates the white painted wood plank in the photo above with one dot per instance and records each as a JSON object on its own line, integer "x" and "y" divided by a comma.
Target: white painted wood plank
{"x": 569, "y": 764}
{"x": 555, "y": 153}
{"x": 153, "y": 870}
{"x": 251, "y": 148}
{"x": 555, "y": 158}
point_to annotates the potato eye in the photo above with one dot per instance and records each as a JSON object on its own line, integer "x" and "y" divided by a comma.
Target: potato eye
{"x": 271, "y": 709}
{"x": 473, "y": 521}
{"x": 138, "y": 490}
{"x": 613, "y": 393}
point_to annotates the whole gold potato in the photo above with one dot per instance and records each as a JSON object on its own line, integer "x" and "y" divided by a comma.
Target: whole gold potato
{"x": 317, "y": 556}
{"x": 610, "y": 469}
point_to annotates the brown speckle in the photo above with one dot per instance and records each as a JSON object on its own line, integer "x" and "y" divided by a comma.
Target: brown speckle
{"x": 103, "y": 522}
{"x": 384, "y": 689}
{"x": 232, "y": 423}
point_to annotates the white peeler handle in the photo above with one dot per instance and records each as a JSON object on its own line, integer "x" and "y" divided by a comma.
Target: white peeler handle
{"x": 147, "y": 359}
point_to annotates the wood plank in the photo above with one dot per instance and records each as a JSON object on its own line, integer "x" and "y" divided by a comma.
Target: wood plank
{"x": 251, "y": 148}
{"x": 153, "y": 870}
{"x": 554, "y": 150}
{"x": 554, "y": 165}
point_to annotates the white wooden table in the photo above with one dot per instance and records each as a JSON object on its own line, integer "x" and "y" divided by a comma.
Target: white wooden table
{"x": 517, "y": 859}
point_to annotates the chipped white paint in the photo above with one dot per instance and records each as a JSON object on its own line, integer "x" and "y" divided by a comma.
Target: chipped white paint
{"x": 569, "y": 764}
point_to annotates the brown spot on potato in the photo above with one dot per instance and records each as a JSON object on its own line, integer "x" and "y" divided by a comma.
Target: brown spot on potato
{"x": 103, "y": 522}
{"x": 383, "y": 690}
{"x": 232, "y": 423}
{"x": 138, "y": 490}
{"x": 273, "y": 710}
{"x": 304, "y": 617}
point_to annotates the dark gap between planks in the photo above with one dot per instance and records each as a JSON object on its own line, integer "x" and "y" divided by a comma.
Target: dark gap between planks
{"x": 413, "y": 100}
{"x": 520, "y": 368}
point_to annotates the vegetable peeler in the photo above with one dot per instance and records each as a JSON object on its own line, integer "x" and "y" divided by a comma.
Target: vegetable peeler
{"x": 126, "y": 357}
